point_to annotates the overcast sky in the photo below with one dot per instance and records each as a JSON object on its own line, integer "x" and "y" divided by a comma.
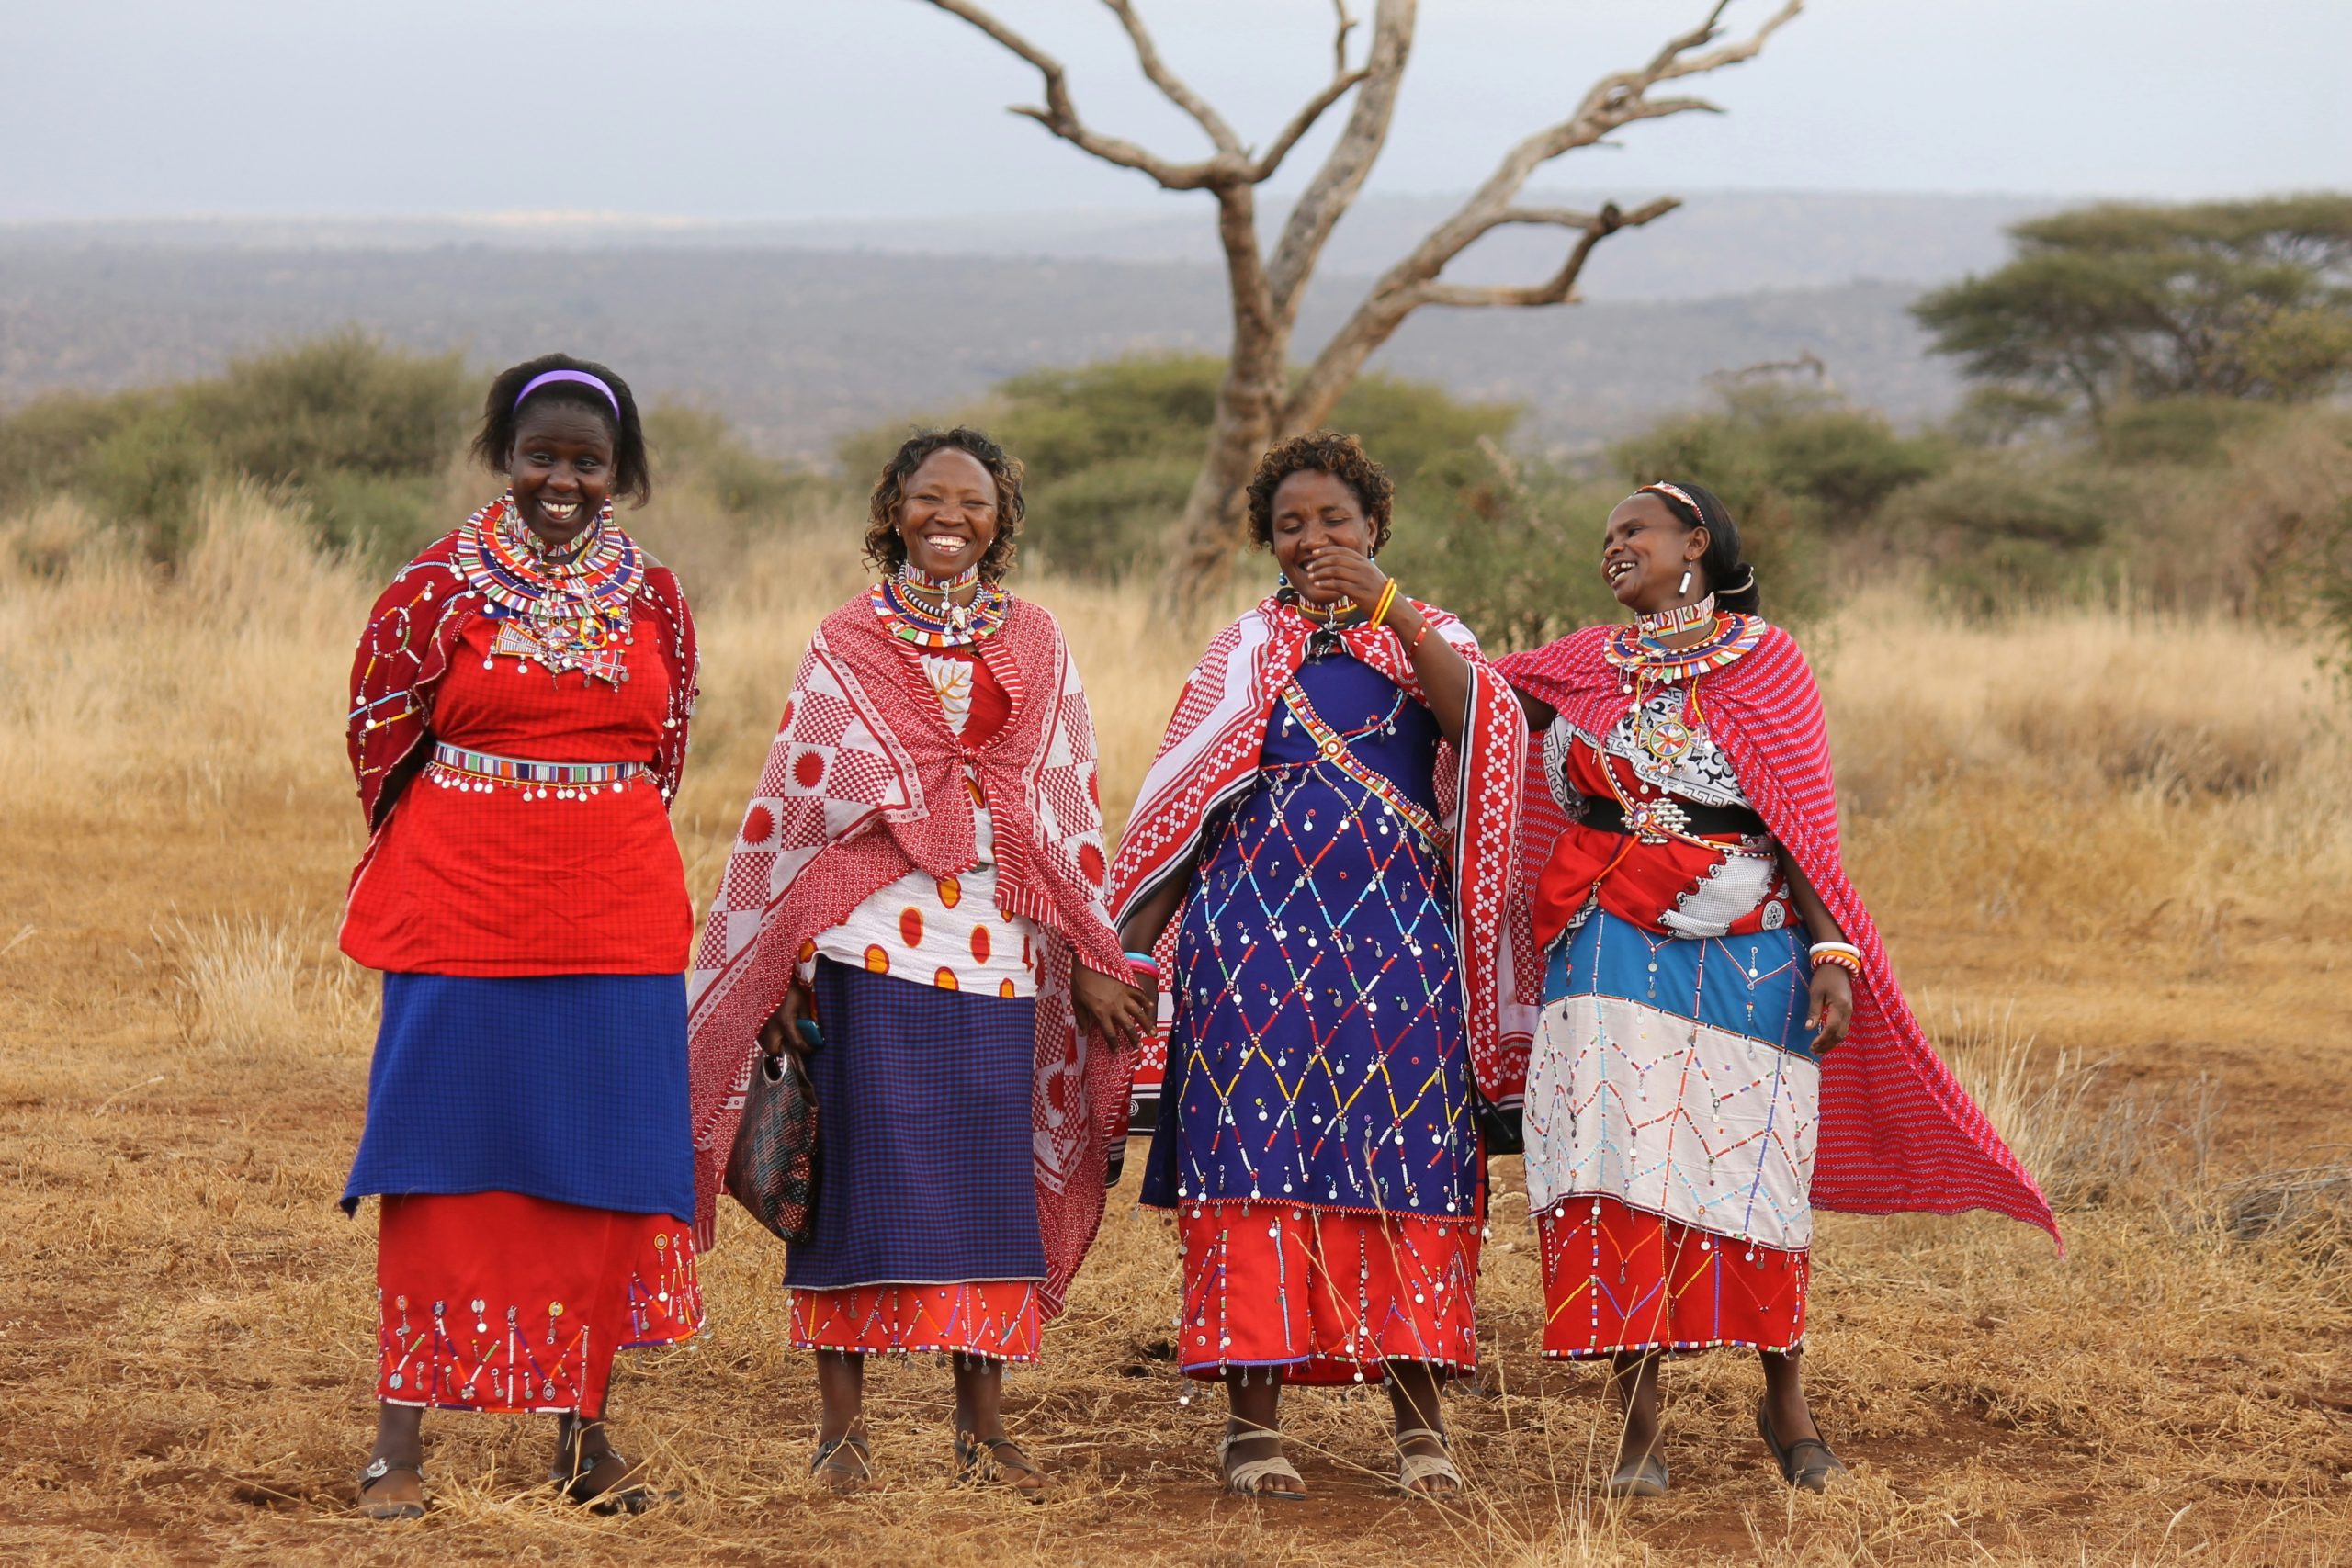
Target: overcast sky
{"x": 771, "y": 109}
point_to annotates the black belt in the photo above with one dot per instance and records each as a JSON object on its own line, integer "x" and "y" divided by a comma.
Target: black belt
{"x": 1701, "y": 821}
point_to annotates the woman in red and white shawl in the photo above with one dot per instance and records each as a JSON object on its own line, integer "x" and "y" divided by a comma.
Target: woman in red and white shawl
{"x": 1721, "y": 1047}
{"x": 920, "y": 875}
{"x": 1320, "y": 858}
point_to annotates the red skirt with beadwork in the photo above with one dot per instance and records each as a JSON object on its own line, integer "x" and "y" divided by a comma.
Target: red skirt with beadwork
{"x": 1616, "y": 1278}
{"x": 1328, "y": 1296}
{"x": 998, "y": 1319}
{"x": 492, "y": 1300}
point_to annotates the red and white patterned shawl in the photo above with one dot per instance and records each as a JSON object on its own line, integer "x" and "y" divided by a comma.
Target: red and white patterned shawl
{"x": 864, "y": 782}
{"x": 1898, "y": 1133}
{"x": 1211, "y": 752}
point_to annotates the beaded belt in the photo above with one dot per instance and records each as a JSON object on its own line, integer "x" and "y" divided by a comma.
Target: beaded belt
{"x": 454, "y": 767}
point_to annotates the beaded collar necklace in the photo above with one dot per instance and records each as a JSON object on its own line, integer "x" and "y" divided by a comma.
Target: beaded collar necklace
{"x": 569, "y": 615}
{"x": 1643, "y": 661}
{"x": 948, "y": 626}
{"x": 1681, "y": 618}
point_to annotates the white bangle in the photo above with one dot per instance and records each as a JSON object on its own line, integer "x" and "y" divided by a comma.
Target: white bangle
{"x": 1847, "y": 948}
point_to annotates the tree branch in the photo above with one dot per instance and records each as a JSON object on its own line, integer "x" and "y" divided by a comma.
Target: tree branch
{"x": 1059, "y": 113}
{"x": 1335, "y": 186}
{"x": 1173, "y": 86}
{"x": 1560, "y": 287}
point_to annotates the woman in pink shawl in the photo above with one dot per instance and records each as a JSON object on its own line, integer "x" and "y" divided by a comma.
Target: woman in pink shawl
{"x": 1721, "y": 1047}
{"x": 920, "y": 875}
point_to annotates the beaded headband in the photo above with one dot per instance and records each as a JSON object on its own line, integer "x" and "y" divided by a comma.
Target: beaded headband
{"x": 586, "y": 379}
{"x": 1678, "y": 493}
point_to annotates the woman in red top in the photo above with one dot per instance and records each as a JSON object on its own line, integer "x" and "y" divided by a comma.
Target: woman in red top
{"x": 519, "y": 722}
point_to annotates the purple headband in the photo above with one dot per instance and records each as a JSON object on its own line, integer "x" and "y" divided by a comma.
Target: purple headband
{"x": 586, "y": 379}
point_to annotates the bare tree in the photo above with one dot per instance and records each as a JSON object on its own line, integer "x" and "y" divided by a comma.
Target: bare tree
{"x": 1262, "y": 401}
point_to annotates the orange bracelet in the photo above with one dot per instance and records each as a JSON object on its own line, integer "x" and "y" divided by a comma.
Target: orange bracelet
{"x": 1414, "y": 647}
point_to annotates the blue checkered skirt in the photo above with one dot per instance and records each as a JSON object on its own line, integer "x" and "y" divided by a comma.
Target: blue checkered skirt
{"x": 925, "y": 1168}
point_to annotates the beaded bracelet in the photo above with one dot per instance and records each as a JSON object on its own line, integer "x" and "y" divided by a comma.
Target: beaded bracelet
{"x": 1844, "y": 954}
{"x": 1387, "y": 597}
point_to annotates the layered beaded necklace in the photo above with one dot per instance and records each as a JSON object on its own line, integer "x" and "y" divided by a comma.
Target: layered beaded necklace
{"x": 568, "y": 615}
{"x": 1642, "y": 660}
{"x": 949, "y": 624}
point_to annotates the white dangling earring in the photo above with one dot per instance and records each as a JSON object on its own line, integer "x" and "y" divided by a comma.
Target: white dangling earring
{"x": 1686, "y": 582}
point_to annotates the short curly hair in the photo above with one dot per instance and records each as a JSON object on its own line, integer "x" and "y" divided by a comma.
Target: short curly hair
{"x": 1324, "y": 452}
{"x": 887, "y": 552}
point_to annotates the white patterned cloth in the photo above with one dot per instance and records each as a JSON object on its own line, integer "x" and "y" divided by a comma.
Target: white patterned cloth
{"x": 942, "y": 931}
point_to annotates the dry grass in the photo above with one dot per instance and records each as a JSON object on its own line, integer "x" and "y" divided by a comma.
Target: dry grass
{"x": 2111, "y": 852}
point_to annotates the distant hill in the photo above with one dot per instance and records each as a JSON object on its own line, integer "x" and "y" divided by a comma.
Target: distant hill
{"x": 801, "y": 333}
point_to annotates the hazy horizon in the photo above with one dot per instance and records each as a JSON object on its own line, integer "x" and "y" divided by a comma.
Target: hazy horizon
{"x": 764, "y": 111}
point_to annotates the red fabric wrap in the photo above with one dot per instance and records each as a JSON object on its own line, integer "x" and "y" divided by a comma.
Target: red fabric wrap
{"x": 864, "y": 782}
{"x": 1211, "y": 749}
{"x": 1898, "y": 1133}
{"x": 407, "y": 649}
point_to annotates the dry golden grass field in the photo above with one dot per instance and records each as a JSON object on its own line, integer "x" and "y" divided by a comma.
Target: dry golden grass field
{"x": 2111, "y": 852}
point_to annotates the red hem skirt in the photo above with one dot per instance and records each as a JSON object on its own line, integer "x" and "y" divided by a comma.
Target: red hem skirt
{"x": 496, "y": 1301}
{"x": 999, "y": 1320}
{"x": 1616, "y": 1278}
{"x": 1328, "y": 1296}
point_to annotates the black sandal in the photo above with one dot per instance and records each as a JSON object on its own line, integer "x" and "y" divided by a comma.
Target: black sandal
{"x": 840, "y": 1478}
{"x": 978, "y": 1460}
{"x": 376, "y": 1469}
{"x": 1808, "y": 1463}
{"x": 625, "y": 1494}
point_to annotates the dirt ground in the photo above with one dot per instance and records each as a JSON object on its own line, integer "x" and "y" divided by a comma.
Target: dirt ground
{"x": 187, "y": 1323}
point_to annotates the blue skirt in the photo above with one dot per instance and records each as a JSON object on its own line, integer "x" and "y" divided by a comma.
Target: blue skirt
{"x": 570, "y": 1088}
{"x": 925, "y": 1162}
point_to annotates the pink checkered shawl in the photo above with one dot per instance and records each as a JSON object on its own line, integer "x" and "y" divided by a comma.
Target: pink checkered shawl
{"x": 1898, "y": 1133}
{"x": 863, "y": 782}
{"x": 1210, "y": 754}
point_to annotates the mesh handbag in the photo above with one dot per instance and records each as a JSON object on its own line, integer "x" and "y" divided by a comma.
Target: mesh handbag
{"x": 771, "y": 1169}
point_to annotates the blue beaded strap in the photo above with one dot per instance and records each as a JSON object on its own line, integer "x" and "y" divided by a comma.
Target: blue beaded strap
{"x": 454, "y": 767}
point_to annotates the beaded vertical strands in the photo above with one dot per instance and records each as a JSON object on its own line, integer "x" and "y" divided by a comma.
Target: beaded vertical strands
{"x": 568, "y": 615}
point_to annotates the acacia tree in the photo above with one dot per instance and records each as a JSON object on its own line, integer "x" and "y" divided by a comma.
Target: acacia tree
{"x": 2127, "y": 302}
{"x": 1261, "y": 401}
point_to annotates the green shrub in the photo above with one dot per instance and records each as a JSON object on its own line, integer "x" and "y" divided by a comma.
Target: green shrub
{"x": 1997, "y": 530}
{"x": 2180, "y": 430}
{"x": 1111, "y": 519}
{"x": 344, "y": 402}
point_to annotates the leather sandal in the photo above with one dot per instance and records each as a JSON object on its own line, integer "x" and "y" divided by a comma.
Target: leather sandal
{"x": 376, "y": 1469}
{"x": 980, "y": 1459}
{"x": 1642, "y": 1477}
{"x": 625, "y": 1493}
{"x": 844, "y": 1476}
{"x": 1249, "y": 1478}
{"x": 1808, "y": 1463}
{"x": 1413, "y": 1470}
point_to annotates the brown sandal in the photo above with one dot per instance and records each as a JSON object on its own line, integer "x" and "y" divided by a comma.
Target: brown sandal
{"x": 376, "y": 1469}
{"x": 837, "y": 1474}
{"x": 981, "y": 1460}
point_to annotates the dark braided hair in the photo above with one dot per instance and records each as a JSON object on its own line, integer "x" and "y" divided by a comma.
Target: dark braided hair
{"x": 1729, "y": 577}
{"x": 494, "y": 443}
{"x": 1324, "y": 452}
{"x": 887, "y": 552}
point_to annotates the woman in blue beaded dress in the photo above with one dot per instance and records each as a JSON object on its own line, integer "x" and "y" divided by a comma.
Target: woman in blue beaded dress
{"x": 1319, "y": 860}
